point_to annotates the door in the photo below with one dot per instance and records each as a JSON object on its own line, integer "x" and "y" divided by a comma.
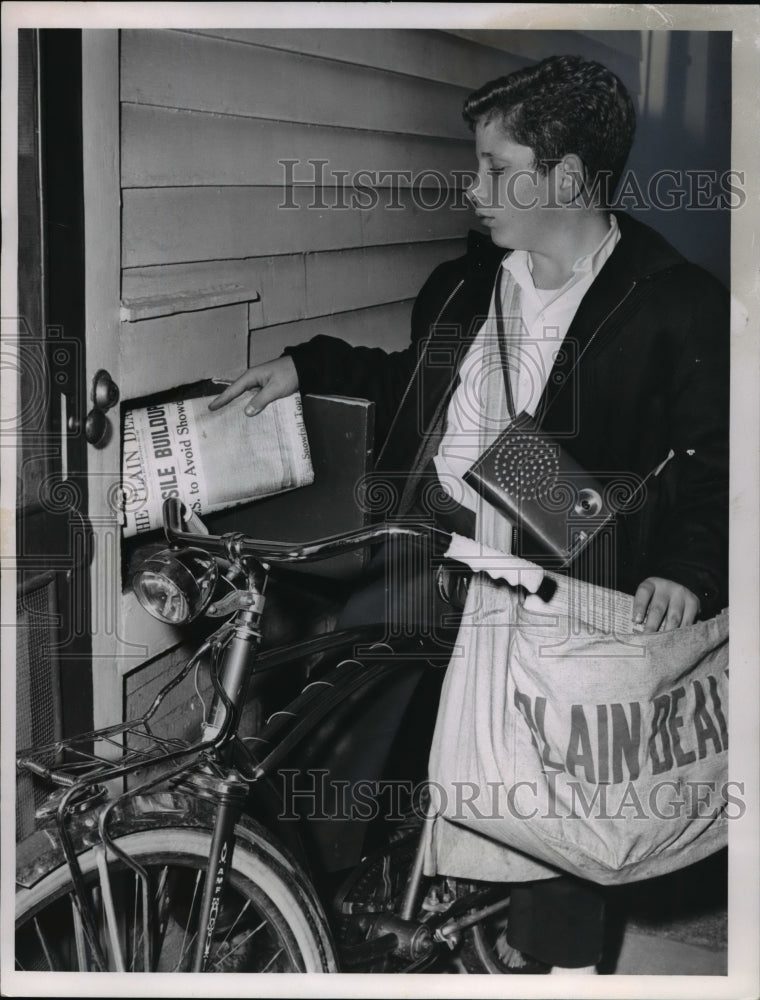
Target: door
{"x": 68, "y": 531}
{"x": 73, "y": 618}
{"x": 53, "y": 664}
{"x": 123, "y": 635}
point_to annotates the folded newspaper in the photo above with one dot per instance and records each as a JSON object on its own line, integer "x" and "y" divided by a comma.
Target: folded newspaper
{"x": 210, "y": 460}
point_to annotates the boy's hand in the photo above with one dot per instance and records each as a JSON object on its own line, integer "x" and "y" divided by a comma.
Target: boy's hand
{"x": 272, "y": 380}
{"x": 664, "y": 602}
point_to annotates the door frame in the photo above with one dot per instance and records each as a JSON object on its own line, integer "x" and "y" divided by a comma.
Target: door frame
{"x": 102, "y": 271}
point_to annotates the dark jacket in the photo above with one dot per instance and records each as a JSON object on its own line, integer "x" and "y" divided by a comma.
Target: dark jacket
{"x": 652, "y": 335}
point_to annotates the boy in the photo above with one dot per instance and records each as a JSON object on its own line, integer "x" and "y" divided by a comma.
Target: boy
{"x": 618, "y": 347}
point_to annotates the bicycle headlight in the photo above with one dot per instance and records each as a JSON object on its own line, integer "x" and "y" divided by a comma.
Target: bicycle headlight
{"x": 176, "y": 586}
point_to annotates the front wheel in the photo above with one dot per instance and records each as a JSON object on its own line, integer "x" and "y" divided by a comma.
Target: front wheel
{"x": 268, "y": 921}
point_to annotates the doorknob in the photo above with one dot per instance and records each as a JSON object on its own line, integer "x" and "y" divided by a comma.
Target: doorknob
{"x": 105, "y": 392}
{"x": 104, "y": 395}
{"x": 97, "y": 429}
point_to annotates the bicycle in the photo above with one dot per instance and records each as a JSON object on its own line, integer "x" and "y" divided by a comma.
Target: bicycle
{"x": 148, "y": 858}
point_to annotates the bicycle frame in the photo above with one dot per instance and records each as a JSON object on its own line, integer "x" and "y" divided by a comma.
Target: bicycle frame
{"x": 219, "y": 768}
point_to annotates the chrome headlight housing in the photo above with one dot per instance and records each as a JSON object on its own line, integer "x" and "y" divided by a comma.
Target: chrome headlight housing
{"x": 175, "y": 586}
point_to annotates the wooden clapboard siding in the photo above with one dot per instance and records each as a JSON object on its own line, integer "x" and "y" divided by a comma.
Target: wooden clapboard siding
{"x": 287, "y": 287}
{"x": 163, "y": 289}
{"x": 387, "y": 325}
{"x": 348, "y": 279}
{"x": 180, "y": 70}
{"x": 157, "y": 354}
{"x": 432, "y": 55}
{"x": 166, "y": 147}
{"x": 170, "y": 225}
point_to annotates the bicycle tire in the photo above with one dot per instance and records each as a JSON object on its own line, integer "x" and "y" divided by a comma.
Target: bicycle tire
{"x": 268, "y": 920}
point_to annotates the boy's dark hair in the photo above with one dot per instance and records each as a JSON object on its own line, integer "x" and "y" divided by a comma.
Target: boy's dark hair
{"x": 563, "y": 104}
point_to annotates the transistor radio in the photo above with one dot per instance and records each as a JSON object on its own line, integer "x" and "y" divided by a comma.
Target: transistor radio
{"x": 527, "y": 476}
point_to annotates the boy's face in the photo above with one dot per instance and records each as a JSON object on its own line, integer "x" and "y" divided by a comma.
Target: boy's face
{"x": 511, "y": 198}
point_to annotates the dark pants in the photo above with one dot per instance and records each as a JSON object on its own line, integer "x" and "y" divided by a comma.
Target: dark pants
{"x": 558, "y": 921}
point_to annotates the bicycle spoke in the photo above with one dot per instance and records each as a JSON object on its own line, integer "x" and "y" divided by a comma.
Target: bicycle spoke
{"x": 240, "y": 944}
{"x": 108, "y": 908}
{"x": 43, "y": 943}
{"x": 235, "y": 923}
{"x": 138, "y": 925}
{"x": 183, "y": 951}
{"x": 136, "y": 943}
{"x": 76, "y": 919}
{"x": 276, "y": 955}
{"x": 161, "y": 901}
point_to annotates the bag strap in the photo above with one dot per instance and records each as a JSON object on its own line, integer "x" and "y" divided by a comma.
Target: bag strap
{"x": 501, "y": 337}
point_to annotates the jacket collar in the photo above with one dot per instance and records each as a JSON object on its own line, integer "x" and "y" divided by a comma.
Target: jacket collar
{"x": 641, "y": 252}
{"x": 640, "y": 256}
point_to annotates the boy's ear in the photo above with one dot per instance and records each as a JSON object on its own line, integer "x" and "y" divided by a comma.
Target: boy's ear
{"x": 570, "y": 178}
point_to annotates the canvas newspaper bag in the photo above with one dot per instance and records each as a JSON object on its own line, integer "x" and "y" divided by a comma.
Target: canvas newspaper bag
{"x": 564, "y": 739}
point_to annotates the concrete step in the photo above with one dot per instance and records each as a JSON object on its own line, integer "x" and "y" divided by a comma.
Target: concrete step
{"x": 656, "y": 955}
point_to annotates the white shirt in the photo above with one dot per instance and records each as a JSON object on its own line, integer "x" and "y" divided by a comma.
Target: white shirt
{"x": 546, "y": 318}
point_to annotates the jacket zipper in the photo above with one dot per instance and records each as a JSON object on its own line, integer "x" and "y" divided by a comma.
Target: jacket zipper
{"x": 542, "y": 407}
{"x": 606, "y": 319}
{"x": 416, "y": 369}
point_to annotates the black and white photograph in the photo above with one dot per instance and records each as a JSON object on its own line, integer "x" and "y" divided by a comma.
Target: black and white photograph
{"x": 380, "y": 439}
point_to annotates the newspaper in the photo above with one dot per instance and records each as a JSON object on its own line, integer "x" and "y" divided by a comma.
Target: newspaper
{"x": 597, "y": 607}
{"x": 210, "y": 460}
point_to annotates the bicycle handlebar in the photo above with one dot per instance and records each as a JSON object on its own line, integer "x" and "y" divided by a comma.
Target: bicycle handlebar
{"x": 237, "y": 546}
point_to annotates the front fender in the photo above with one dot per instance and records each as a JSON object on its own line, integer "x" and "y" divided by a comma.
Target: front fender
{"x": 42, "y": 853}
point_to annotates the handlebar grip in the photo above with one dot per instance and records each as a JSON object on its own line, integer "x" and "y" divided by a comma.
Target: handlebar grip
{"x": 235, "y": 545}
